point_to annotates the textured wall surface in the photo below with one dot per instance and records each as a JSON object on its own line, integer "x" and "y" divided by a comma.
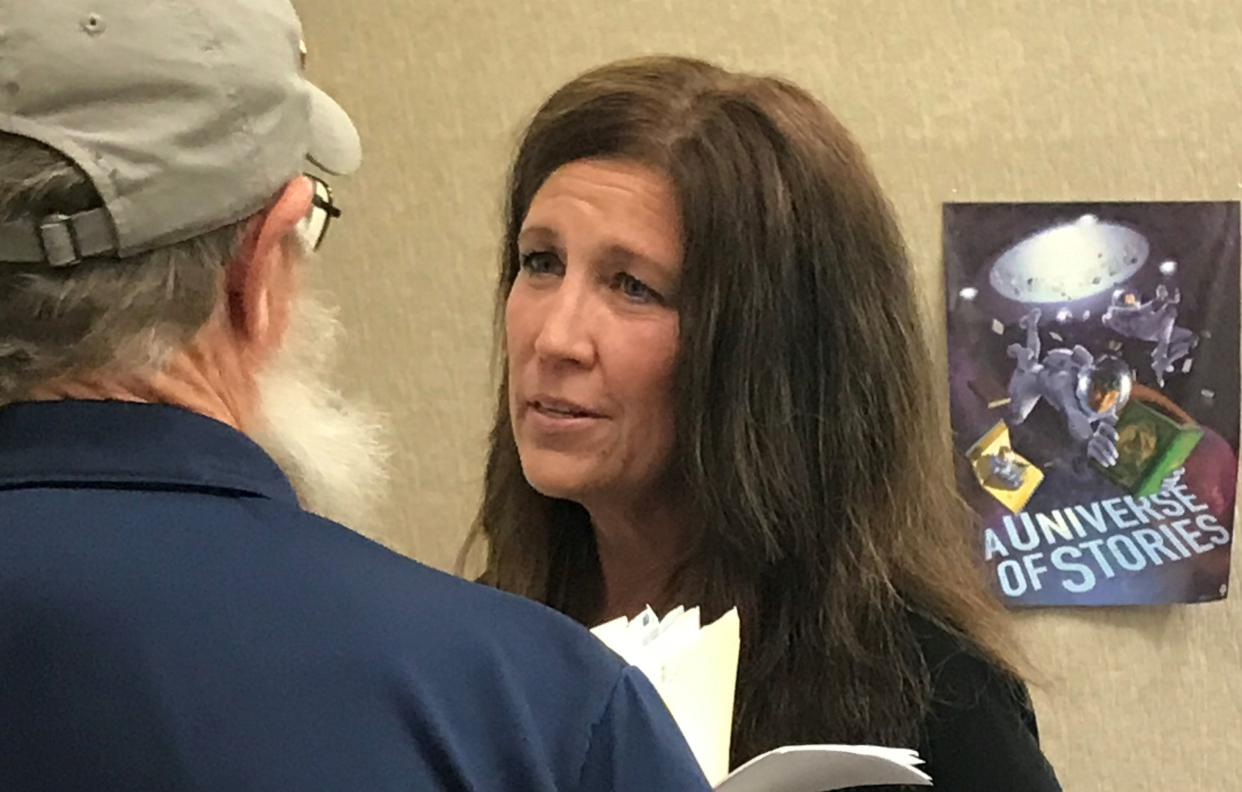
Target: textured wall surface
{"x": 954, "y": 101}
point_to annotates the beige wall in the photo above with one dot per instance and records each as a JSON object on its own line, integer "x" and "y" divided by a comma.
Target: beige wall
{"x": 963, "y": 100}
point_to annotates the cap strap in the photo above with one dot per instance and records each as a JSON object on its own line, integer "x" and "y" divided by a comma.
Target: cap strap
{"x": 58, "y": 240}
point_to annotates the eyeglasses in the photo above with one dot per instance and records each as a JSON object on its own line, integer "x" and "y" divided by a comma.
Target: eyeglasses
{"x": 314, "y": 227}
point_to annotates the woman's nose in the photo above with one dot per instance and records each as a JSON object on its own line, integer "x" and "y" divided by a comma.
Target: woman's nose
{"x": 566, "y": 333}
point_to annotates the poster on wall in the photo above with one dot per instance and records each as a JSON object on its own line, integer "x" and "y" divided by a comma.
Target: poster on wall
{"x": 1093, "y": 378}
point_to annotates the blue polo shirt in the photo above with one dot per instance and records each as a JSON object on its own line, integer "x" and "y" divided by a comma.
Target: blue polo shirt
{"x": 170, "y": 619}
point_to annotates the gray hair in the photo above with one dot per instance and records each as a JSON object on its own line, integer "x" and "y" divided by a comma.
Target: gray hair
{"x": 104, "y": 314}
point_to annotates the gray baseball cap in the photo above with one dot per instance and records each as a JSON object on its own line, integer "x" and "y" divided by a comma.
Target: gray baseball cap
{"x": 187, "y": 115}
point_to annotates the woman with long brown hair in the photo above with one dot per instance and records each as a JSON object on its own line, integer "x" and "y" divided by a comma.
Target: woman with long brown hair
{"x": 716, "y": 392}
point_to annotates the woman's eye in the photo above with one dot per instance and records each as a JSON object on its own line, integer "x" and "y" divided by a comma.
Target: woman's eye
{"x": 635, "y": 290}
{"x": 541, "y": 262}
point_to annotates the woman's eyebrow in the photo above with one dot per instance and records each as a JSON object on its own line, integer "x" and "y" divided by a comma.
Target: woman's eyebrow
{"x": 619, "y": 253}
{"x": 537, "y": 234}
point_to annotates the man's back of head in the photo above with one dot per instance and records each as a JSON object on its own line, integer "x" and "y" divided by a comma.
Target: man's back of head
{"x": 152, "y": 216}
{"x": 173, "y": 614}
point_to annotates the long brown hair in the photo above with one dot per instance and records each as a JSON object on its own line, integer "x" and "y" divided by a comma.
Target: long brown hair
{"x": 812, "y": 441}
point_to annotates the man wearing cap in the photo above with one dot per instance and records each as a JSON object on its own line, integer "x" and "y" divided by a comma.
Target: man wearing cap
{"x": 176, "y": 609}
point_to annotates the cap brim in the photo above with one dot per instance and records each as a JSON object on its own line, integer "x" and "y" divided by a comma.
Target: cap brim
{"x": 335, "y": 145}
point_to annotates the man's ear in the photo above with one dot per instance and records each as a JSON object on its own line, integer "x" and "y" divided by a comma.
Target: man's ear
{"x": 260, "y": 280}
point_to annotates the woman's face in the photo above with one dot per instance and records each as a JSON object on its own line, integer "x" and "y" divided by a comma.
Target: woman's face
{"x": 591, "y": 333}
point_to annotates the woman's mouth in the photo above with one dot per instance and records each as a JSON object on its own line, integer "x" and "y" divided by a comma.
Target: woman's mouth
{"x": 560, "y": 408}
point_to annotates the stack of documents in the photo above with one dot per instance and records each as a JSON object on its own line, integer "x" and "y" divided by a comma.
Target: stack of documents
{"x": 694, "y": 667}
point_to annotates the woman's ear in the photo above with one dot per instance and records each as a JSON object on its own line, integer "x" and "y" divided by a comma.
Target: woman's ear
{"x": 260, "y": 280}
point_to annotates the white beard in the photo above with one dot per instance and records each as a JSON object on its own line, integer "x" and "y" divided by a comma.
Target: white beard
{"x": 331, "y": 449}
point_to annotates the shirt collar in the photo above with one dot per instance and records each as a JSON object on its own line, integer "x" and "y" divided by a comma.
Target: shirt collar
{"x": 121, "y": 443}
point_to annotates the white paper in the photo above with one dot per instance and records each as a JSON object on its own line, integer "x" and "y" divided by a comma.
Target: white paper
{"x": 819, "y": 768}
{"x": 694, "y": 668}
